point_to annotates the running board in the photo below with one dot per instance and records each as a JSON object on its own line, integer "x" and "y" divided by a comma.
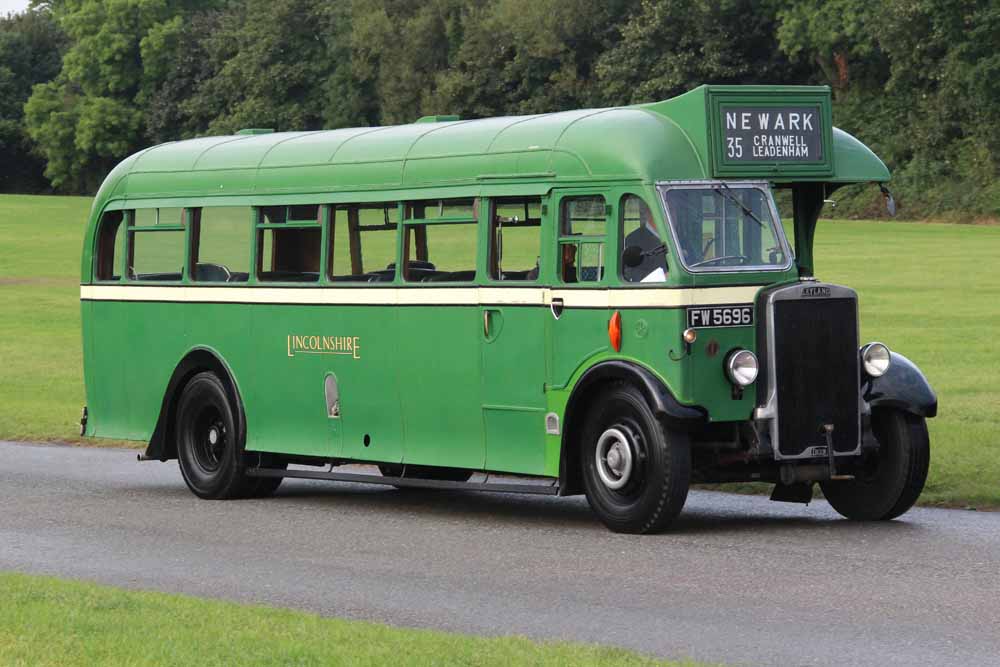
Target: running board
{"x": 413, "y": 482}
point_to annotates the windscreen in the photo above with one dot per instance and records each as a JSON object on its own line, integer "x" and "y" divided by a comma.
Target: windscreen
{"x": 725, "y": 228}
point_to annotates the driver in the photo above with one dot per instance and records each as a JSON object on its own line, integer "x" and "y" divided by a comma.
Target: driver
{"x": 646, "y": 238}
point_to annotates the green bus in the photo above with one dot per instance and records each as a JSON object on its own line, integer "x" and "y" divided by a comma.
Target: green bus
{"x": 601, "y": 301}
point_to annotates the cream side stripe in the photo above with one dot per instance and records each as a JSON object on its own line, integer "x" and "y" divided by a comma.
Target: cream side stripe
{"x": 457, "y": 296}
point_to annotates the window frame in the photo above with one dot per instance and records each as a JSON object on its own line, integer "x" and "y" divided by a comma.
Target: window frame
{"x": 490, "y": 205}
{"x": 579, "y": 240}
{"x": 352, "y": 216}
{"x": 663, "y": 187}
{"x": 121, "y": 231}
{"x": 257, "y": 241}
{"x": 132, "y": 229}
{"x": 411, "y": 223}
{"x": 193, "y": 215}
{"x": 666, "y": 240}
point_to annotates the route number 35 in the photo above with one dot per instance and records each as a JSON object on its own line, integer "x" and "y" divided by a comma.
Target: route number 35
{"x": 734, "y": 147}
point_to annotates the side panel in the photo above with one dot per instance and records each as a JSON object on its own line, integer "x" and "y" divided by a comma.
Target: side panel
{"x": 439, "y": 381}
{"x": 706, "y": 380}
{"x": 131, "y": 355}
{"x": 296, "y": 346}
{"x": 155, "y": 340}
{"x": 104, "y": 330}
{"x": 513, "y": 381}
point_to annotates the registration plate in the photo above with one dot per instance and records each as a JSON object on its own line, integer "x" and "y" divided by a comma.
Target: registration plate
{"x": 719, "y": 316}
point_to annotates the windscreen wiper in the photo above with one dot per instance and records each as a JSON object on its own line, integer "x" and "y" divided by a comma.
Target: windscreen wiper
{"x": 728, "y": 195}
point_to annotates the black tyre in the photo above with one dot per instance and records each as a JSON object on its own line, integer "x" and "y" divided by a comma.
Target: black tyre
{"x": 888, "y": 483}
{"x": 636, "y": 474}
{"x": 209, "y": 446}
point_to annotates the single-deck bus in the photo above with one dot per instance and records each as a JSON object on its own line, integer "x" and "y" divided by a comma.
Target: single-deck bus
{"x": 600, "y": 301}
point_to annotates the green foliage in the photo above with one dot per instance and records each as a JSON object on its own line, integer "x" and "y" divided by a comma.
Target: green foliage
{"x": 91, "y": 114}
{"x": 671, "y": 46}
{"x": 31, "y": 47}
{"x": 529, "y": 56}
{"x": 917, "y": 80}
{"x": 270, "y": 64}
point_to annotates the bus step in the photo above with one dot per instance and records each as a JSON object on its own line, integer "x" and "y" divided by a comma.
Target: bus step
{"x": 536, "y": 488}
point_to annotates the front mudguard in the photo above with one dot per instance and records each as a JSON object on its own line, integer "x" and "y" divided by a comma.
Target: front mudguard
{"x": 903, "y": 387}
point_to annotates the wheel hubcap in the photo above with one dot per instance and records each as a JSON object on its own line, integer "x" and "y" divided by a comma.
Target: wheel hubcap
{"x": 614, "y": 458}
{"x": 209, "y": 436}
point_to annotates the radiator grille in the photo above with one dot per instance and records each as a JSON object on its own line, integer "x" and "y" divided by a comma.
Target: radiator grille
{"x": 816, "y": 373}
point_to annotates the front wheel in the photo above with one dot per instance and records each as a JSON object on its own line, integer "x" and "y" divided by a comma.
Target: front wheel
{"x": 636, "y": 473}
{"x": 889, "y": 483}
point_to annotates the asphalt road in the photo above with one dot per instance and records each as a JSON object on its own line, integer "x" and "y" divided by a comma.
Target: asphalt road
{"x": 739, "y": 580}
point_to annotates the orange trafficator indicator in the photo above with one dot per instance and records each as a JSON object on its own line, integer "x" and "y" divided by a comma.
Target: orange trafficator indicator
{"x": 615, "y": 331}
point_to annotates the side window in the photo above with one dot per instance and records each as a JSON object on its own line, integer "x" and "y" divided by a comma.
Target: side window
{"x": 289, "y": 243}
{"x": 440, "y": 241}
{"x": 363, "y": 242}
{"x": 220, "y": 244}
{"x": 638, "y": 230}
{"x": 110, "y": 240}
{"x": 582, "y": 226}
{"x": 156, "y": 244}
{"x": 515, "y": 238}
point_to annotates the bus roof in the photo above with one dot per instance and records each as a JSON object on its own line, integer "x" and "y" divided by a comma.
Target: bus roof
{"x": 679, "y": 139}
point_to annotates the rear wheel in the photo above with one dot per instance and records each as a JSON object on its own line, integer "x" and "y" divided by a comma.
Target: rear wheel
{"x": 209, "y": 446}
{"x": 889, "y": 483}
{"x": 636, "y": 473}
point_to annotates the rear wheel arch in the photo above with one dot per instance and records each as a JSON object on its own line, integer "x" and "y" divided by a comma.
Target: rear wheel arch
{"x": 591, "y": 385}
{"x": 162, "y": 445}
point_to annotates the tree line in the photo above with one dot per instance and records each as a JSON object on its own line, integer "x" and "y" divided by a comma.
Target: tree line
{"x": 83, "y": 83}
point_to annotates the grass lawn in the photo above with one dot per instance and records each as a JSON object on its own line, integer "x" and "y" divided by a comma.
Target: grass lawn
{"x": 929, "y": 291}
{"x": 46, "y": 621}
{"x": 41, "y": 380}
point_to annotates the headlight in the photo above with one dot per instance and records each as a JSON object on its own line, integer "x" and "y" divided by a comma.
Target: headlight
{"x": 741, "y": 367}
{"x": 876, "y": 359}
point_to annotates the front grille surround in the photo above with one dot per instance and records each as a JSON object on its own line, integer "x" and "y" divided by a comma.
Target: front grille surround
{"x": 818, "y": 324}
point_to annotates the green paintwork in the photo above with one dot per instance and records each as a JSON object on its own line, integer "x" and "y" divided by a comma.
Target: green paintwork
{"x": 459, "y": 385}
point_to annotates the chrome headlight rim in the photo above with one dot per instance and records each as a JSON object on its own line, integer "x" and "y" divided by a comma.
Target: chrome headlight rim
{"x": 876, "y": 358}
{"x": 742, "y": 367}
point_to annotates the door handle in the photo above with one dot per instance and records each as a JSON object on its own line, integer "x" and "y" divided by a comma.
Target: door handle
{"x": 486, "y": 324}
{"x": 556, "y": 306}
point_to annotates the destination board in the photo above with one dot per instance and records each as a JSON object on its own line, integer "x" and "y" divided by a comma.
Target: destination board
{"x": 771, "y": 133}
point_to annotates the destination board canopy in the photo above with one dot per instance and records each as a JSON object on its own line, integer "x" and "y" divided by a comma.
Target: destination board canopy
{"x": 770, "y": 130}
{"x": 779, "y": 133}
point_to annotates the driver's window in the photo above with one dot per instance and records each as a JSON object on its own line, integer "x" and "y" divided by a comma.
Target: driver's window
{"x": 220, "y": 244}
{"x": 638, "y": 230}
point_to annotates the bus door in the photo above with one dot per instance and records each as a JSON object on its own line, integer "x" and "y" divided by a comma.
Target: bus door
{"x": 512, "y": 332}
{"x": 577, "y": 322}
